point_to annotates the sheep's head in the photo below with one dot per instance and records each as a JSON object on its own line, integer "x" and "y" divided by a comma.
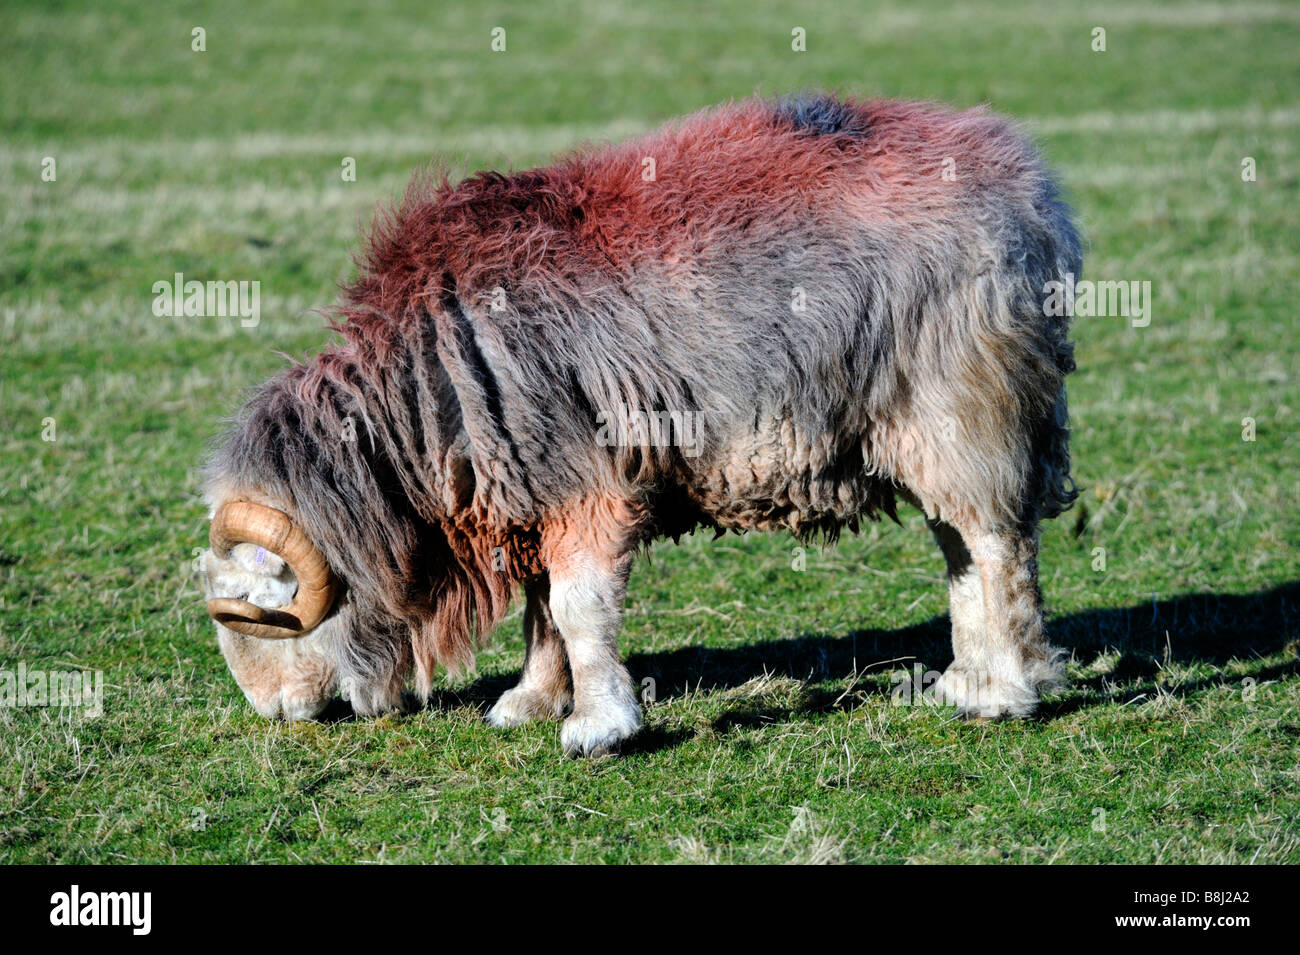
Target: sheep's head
{"x": 240, "y": 523}
{"x": 271, "y": 594}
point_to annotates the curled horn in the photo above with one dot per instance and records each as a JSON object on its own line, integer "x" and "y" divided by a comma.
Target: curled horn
{"x": 243, "y": 522}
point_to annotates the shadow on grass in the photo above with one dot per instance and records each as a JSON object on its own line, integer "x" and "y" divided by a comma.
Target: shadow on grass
{"x": 1194, "y": 629}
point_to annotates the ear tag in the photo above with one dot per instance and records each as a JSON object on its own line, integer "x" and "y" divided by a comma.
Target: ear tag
{"x": 261, "y": 556}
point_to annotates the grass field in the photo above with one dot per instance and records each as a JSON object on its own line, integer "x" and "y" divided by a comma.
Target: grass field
{"x": 773, "y": 737}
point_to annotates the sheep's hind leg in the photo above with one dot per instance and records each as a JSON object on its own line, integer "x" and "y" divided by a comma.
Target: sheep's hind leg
{"x": 1002, "y": 669}
{"x": 965, "y": 594}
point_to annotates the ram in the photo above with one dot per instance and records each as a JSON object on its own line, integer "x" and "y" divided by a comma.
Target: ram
{"x": 787, "y": 314}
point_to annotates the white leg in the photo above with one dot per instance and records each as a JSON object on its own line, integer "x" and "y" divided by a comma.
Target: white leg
{"x": 545, "y": 689}
{"x": 1002, "y": 670}
{"x": 588, "y": 555}
{"x": 588, "y": 605}
{"x": 965, "y": 594}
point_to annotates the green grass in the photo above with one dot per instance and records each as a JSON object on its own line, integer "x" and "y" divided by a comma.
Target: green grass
{"x": 773, "y": 737}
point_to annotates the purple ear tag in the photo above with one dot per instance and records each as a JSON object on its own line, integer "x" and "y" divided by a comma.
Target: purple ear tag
{"x": 261, "y": 556}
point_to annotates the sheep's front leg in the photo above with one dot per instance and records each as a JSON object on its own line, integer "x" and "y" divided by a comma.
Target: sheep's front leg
{"x": 588, "y": 563}
{"x": 545, "y": 690}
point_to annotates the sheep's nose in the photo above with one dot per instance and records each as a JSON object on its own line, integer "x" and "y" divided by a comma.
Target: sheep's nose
{"x": 268, "y": 706}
